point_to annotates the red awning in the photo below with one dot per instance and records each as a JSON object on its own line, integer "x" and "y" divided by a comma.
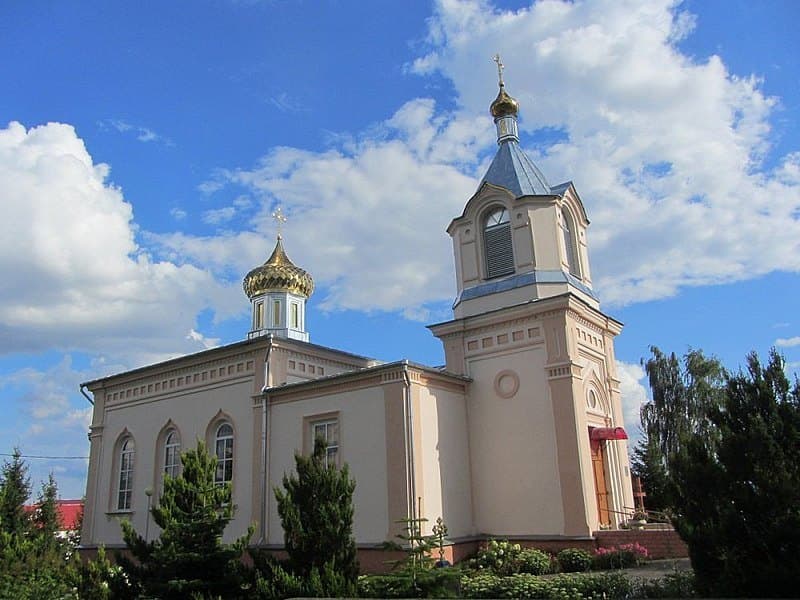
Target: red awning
{"x": 607, "y": 433}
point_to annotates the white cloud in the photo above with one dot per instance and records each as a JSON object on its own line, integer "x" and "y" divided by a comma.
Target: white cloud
{"x": 48, "y": 418}
{"x": 632, "y": 387}
{"x": 219, "y": 215}
{"x": 143, "y": 134}
{"x": 367, "y": 220}
{"x": 665, "y": 151}
{"x": 207, "y": 342}
{"x": 178, "y": 214}
{"x": 788, "y": 342}
{"x": 74, "y": 275}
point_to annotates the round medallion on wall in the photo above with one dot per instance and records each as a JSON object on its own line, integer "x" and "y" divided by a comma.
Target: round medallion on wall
{"x": 506, "y": 384}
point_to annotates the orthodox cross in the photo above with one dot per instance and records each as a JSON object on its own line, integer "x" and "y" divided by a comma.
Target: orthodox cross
{"x": 500, "y": 67}
{"x": 280, "y": 219}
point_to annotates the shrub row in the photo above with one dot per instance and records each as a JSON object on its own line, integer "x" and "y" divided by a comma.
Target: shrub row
{"x": 563, "y": 586}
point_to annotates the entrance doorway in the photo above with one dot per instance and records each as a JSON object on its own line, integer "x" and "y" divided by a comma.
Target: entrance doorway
{"x": 599, "y": 470}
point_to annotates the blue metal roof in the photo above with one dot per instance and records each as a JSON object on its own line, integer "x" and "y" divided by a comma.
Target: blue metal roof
{"x": 513, "y": 170}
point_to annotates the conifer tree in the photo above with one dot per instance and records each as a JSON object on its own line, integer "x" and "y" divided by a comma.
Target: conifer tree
{"x": 316, "y": 511}
{"x": 15, "y": 488}
{"x": 189, "y": 557}
{"x": 739, "y": 498}
{"x": 46, "y": 520}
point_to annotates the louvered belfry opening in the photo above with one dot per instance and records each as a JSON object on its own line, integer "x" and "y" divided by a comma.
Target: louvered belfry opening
{"x": 497, "y": 245}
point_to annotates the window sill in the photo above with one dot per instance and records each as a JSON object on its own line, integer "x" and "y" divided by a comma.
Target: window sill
{"x": 126, "y": 511}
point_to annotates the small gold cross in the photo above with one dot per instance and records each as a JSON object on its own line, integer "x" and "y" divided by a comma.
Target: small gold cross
{"x": 500, "y": 67}
{"x": 280, "y": 219}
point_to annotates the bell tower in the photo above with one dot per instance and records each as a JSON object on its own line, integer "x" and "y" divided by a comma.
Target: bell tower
{"x": 519, "y": 238}
{"x": 528, "y": 331}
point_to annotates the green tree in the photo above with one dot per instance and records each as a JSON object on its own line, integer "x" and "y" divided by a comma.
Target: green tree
{"x": 684, "y": 392}
{"x": 15, "y": 489}
{"x": 189, "y": 557}
{"x": 316, "y": 511}
{"x": 46, "y": 520}
{"x": 739, "y": 497}
{"x": 647, "y": 463}
{"x": 32, "y": 562}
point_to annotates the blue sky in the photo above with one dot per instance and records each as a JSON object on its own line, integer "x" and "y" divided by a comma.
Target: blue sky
{"x": 143, "y": 147}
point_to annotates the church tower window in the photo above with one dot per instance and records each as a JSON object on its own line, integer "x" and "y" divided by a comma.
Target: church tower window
{"x": 569, "y": 244}
{"x": 497, "y": 244}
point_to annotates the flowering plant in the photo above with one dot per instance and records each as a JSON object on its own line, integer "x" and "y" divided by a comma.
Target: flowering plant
{"x": 620, "y": 557}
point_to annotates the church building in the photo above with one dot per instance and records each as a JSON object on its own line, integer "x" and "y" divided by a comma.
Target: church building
{"x": 518, "y": 436}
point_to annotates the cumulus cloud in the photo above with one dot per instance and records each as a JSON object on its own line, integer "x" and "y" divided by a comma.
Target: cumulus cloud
{"x": 75, "y": 276}
{"x": 668, "y": 153}
{"x": 367, "y": 219}
{"x": 632, "y": 387}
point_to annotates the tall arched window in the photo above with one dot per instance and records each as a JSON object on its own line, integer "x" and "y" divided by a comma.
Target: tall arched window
{"x": 224, "y": 451}
{"x": 127, "y": 452}
{"x": 497, "y": 244}
{"x": 172, "y": 453}
{"x": 569, "y": 244}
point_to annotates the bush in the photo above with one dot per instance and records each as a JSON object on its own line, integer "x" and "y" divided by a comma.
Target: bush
{"x": 620, "y": 557}
{"x": 535, "y": 562}
{"x": 432, "y": 583}
{"x": 574, "y": 560}
{"x": 500, "y": 557}
{"x": 674, "y": 585}
{"x": 567, "y": 587}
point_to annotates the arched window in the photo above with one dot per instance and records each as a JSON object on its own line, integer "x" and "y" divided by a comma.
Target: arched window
{"x": 591, "y": 399}
{"x": 223, "y": 444}
{"x": 497, "y": 244}
{"x": 172, "y": 453}
{"x": 569, "y": 243}
{"x": 127, "y": 451}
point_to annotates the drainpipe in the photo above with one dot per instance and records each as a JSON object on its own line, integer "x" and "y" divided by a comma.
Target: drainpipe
{"x": 409, "y": 427}
{"x": 85, "y": 395}
{"x": 264, "y": 445}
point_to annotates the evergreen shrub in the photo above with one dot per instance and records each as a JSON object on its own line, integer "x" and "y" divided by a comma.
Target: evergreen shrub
{"x": 433, "y": 583}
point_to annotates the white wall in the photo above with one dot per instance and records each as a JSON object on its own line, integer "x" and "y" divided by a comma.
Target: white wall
{"x": 362, "y": 445}
{"x": 446, "y": 479}
{"x": 513, "y": 448}
{"x": 191, "y": 412}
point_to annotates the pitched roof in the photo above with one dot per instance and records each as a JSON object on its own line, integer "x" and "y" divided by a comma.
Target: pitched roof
{"x": 513, "y": 170}
{"x": 69, "y": 512}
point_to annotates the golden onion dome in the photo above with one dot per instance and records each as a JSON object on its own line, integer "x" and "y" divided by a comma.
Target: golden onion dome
{"x": 278, "y": 274}
{"x": 504, "y": 105}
